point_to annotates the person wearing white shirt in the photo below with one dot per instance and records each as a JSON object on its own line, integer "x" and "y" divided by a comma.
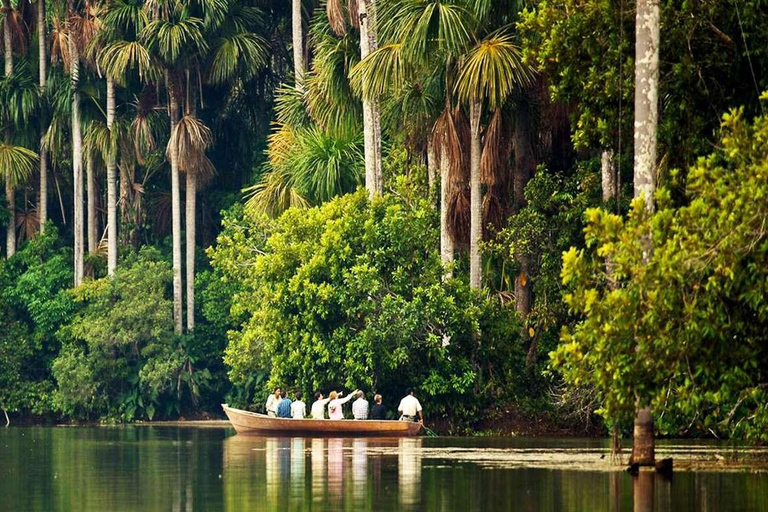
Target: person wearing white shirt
{"x": 360, "y": 407}
{"x": 318, "y": 406}
{"x": 298, "y": 408}
{"x": 410, "y": 408}
{"x": 272, "y": 402}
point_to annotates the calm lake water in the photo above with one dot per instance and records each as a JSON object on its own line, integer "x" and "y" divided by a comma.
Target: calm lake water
{"x": 185, "y": 468}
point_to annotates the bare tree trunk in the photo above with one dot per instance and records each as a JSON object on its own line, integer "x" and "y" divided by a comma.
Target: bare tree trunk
{"x": 647, "y": 36}
{"x": 176, "y": 214}
{"x": 525, "y": 165}
{"x": 90, "y": 179}
{"x": 646, "y": 98}
{"x": 77, "y": 149}
{"x": 446, "y": 241}
{"x": 299, "y": 68}
{"x": 111, "y": 186}
{"x": 10, "y": 237}
{"x": 608, "y": 175}
{"x": 431, "y": 167}
{"x": 190, "y": 231}
{"x": 42, "y": 209}
{"x": 371, "y": 116}
{"x": 475, "y": 198}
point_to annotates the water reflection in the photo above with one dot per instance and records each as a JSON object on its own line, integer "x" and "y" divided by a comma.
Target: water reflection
{"x": 643, "y": 491}
{"x": 359, "y": 471}
{"x": 318, "y": 470}
{"x": 165, "y": 469}
{"x": 409, "y": 471}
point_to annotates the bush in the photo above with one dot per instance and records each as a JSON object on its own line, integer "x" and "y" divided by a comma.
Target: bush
{"x": 350, "y": 294}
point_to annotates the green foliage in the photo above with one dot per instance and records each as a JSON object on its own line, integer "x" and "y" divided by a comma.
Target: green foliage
{"x": 679, "y": 322}
{"x": 349, "y": 294}
{"x": 120, "y": 359}
{"x": 708, "y": 49}
{"x": 33, "y": 304}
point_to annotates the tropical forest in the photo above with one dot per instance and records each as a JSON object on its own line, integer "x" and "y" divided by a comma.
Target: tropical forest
{"x": 544, "y": 216}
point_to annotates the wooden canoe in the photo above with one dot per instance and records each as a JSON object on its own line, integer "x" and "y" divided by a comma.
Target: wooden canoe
{"x": 246, "y": 422}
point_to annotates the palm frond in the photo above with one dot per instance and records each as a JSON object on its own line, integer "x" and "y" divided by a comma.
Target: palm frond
{"x": 121, "y": 57}
{"x": 290, "y": 107}
{"x": 380, "y": 71}
{"x": 172, "y": 38}
{"x": 427, "y": 28}
{"x": 273, "y": 195}
{"x": 191, "y": 138}
{"x": 245, "y": 52}
{"x": 17, "y": 163}
{"x": 492, "y": 70}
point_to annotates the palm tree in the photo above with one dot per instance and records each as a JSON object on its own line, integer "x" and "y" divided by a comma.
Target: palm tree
{"x": 425, "y": 38}
{"x": 118, "y": 51}
{"x": 647, "y": 43}
{"x": 43, "y": 74}
{"x": 490, "y": 73}
{"x": 77, "y": 141}
{"x": 172, "y": 36}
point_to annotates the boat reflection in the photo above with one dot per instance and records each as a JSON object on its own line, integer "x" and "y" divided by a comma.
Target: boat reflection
{"x": 409, "y": 471}
{"x": 274, "y": 473}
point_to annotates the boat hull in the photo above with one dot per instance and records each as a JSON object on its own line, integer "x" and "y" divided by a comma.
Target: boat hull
{"x": 246, "y": 422}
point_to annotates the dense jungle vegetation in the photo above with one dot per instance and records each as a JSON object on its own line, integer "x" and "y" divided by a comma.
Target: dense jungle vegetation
{"x": 208, "y": 198}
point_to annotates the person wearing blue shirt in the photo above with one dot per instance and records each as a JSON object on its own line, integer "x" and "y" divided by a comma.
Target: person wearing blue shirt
{"x": 284, "y": 408}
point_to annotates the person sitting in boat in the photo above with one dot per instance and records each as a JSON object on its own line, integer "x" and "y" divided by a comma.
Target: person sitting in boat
{"x": 318, "y": 406}
{"x": 379, "y": 410}
{"x": 284, "y": 407}
{"x": 298, "y": 408}
{"x": 360, "y": 407}
{"x": 272, "y": 402}
{"x": 410, "y": 407}
{"x": 335, "y": 406}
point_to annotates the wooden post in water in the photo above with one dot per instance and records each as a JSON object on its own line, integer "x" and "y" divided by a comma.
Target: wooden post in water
{"x": 643, "y": 447}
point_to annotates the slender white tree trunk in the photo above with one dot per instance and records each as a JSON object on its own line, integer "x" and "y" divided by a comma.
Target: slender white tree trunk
{"x": 646, "y": 98}
{"x": 42, "y": 209}
{"x": 77, "y": 151}
{"x": 10, "y": 237}
{"x": 92, "y": 228}
{"x": 476, "y": 198}
{"x": 446, "y": 241}
{"x": 371, "y": 116}
{"x": 299, "y": 67}
{"x": 647, "y": 37}
{"x": 178, "y": 319}
{"x": 432, "y": 169}
{"x": 111, "y": 186}
{"x": 191, "y": 205}
{"x": 608, "y": 175}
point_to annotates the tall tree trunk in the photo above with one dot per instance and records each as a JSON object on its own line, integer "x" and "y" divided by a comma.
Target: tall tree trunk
{"x": 77, "y": 148}
{"x": 92, "y": 227}
{"x": 191, "y": 205}
{"x": 432, "y": 167}
{"x": 608, "y": 176}
{"x": 371, "y": 115}
{"x": 525, "y": 165}
{"x": 475, "y": 198}
{"x": 446, "y": 241}
{"x": 111, "y": 186}
{"x": 42, "y": 209}
{"x": 176, "y": 213}
{"x": 10, "y": 237}
{"x": 299, "y": 68}
{"x": 647, "y": 38}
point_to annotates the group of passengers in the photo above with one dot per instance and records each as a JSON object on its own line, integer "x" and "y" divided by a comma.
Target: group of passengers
{"x": 280, "y": 405}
